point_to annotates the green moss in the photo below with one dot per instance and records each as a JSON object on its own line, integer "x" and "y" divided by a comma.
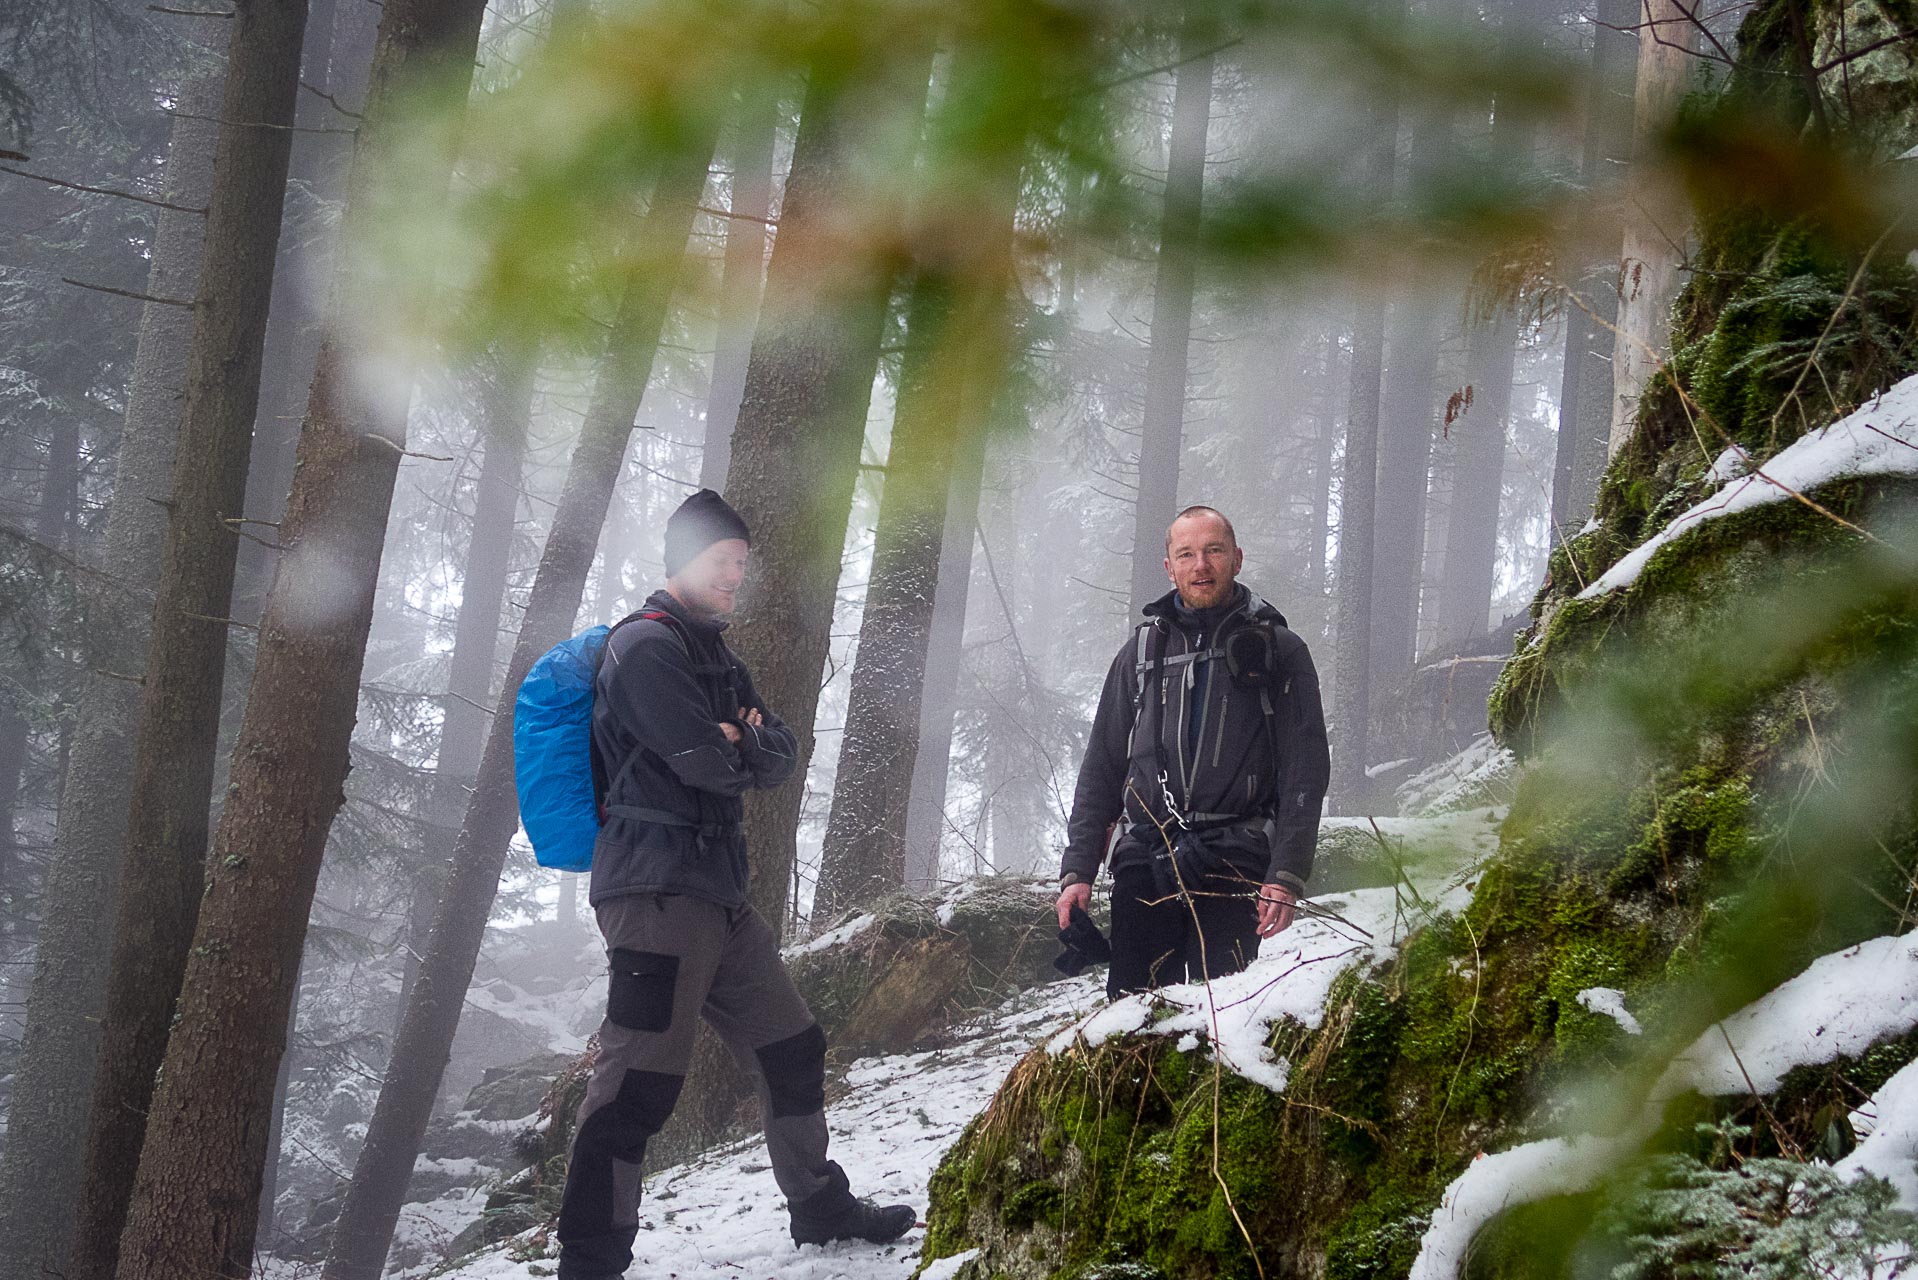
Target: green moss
{"x": 1032, "y": 1203}
{"x": 1379, "y": 1238}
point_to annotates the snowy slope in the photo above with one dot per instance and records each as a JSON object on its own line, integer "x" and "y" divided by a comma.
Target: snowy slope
{"x": 722, "y": 1215}
{"x": 1879, "y": 439}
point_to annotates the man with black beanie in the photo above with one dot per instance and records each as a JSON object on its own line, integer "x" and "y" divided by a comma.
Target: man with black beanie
{"x": 681, "y": 734}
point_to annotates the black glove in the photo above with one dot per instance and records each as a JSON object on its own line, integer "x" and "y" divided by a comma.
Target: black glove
{"x": 1084, "y": 945}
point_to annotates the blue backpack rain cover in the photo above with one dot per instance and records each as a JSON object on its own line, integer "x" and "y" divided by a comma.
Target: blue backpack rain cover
{"x": 553, "y": 752}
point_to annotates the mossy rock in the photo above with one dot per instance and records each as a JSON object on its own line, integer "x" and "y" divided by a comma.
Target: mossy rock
{"x": 909, "y": 967}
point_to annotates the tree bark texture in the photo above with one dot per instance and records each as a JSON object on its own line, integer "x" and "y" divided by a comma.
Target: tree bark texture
{"x": 195, "y": 1206}
{"x": 293, "y": 318}
{"x": 742, "y": 279}
{"x": 364, "y": 1230}
{"x": 1162, "y": 428}
{"x": 950, "y": 376}
{"x": 41, "y": 1165}
{"x": 1655, "y": 216}
{"x": 939, "y": 692}
{"x": 796, "y": 446}
{"x": 174, "y": 755}
{"x": 1584, "y": 401}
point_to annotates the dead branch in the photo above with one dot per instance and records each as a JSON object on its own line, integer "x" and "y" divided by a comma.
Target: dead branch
{"x": 95, "y": 191}
{"x": 126, "y": 293}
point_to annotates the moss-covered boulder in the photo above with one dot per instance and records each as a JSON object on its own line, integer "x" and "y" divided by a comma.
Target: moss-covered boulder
{"x": 891, "y": 978}
{"x": 1721, "y": 765}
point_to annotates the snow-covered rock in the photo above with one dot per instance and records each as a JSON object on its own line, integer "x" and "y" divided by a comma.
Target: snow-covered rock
{"x": 1879, "y": 439}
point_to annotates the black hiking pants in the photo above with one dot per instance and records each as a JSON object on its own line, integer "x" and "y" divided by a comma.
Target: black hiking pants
{"x": 1156, "y": 943}
{"x": 675, "y": 959}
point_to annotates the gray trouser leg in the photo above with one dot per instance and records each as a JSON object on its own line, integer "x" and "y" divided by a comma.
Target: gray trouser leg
{"x": 764, "y": 1021}
{"x": 673, "y": 957}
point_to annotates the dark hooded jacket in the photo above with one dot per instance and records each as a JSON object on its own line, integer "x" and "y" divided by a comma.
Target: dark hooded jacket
{"x": 1247, "y": 765}
{"x": 672, "y": 822}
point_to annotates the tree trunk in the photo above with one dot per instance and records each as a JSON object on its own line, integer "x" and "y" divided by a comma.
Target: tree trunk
{"x": 1358, "y": 483}
{"x": 743, "y": 278}
{"x": 15, "y": 737}
{"x": 932, "y": 762}
{"x": 609, "y": 594}
{"x": 41, "y": 1164}
{"x": 294, "y": 313}
{"x": 1655, "y": 215}
{"x": 60, "y": 491}
{"x": 1471, "y": 527}
{"x": 1584, "y": 400}
{"x": 364, "y": 1231}
{"x": 955, "y": 351}
{"x": 1358, "y": 492}
{"x": 1406, "y": 415}
{"x": 173, "y": 759}
{"x": 796, "y": 446}
{"x": 1162, "y": 428}
{"x": 1015, "y": 780}
{"x": 276, "y": 1132}
{"x": 1326, "y": 419}
{"x": 195, "y": 1206}
{"x": 506, "y": 411}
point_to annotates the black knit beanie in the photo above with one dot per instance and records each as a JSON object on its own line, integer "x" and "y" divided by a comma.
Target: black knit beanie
{"x": 701, "y": 520}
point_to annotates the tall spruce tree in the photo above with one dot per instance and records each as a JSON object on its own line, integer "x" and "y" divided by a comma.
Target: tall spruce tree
{"x": 194, "y": 1207}
{"x": 1162, "y": 429}
{"x": 174, "y": 757}
{"x": 41, "y": 1166}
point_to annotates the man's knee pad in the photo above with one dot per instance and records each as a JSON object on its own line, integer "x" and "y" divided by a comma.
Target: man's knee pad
{"x": 795, "y": 1071}
{"x": 637, "y": 1112}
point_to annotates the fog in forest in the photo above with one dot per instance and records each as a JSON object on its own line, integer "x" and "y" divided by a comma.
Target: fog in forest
{"x": 958, "y": 305}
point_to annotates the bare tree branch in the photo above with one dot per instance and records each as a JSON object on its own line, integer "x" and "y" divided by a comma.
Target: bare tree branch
{"x": 126, "y": 293}
{"x": 98, "y": 191}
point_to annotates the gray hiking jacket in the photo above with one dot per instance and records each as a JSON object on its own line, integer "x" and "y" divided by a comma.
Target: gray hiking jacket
{"x": 1247, "y": 766}
{"x": 672, "y": 811}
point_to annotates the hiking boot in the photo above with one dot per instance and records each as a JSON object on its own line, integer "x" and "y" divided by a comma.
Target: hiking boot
{"x": 853, "y": 1220}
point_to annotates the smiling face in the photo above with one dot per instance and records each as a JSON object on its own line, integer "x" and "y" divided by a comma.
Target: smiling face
{"x": 708, "y": 584}
{"x": 1202, "y": 559}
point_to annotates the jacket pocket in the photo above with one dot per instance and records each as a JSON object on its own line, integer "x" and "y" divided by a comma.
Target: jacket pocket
{"x": 639, "y": 994}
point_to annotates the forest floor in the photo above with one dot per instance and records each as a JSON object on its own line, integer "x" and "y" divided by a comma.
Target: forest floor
{"x": 722, "y": 1215}
{"x": 894, "y": 1117}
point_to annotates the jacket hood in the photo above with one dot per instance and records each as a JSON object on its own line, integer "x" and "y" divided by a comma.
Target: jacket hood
{"x": 663, "y": 601}
{"x": 1247, "y": 601}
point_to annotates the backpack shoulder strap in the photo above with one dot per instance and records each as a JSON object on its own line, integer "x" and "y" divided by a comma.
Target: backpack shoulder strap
{"x": 603, "y": 782}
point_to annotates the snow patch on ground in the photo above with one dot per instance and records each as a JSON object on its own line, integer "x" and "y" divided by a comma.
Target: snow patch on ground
{"x": 1879, "y": 439}
{"x": 722, "y": 1215}
{"x": 1609, "y": 1002}
{"x": 1839, "y": 1006}
{"x": 1836, "y": 1007}
{"x": 1289, "y": 980}
{"x": 947, "y": 1268}
{"x": 1889, "y": 1123}
{"x": 832, "y": 937}
{"x": 1534, "y": 1171}
{"x": 1729, "y": 466}
{"x": 1295, "y": 970}
{"x": 1444, "y": 786}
